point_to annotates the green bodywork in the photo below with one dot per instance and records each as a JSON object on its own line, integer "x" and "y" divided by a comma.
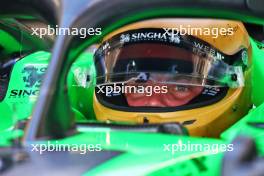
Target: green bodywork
{"x": 25, "y": 82}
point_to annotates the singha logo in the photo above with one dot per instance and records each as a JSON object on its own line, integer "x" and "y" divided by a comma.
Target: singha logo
{"x": 174, "y": 38}
{"x": 33, "y": 76}
{"x": 124, "y": 38}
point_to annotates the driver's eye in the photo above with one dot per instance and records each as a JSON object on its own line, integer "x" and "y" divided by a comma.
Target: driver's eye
{"x": 174, "y": 69}
{"x": 181, "y": 88}
{"x": 131, "y": 67}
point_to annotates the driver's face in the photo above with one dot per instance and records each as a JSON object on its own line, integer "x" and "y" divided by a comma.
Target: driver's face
{"x": 176, "y": 95}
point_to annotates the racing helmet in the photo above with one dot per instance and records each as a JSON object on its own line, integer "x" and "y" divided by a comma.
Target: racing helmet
{"x": 192, "y": 71}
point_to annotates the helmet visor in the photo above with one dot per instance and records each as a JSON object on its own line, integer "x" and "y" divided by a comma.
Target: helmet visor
{"x": 147, "y": 56}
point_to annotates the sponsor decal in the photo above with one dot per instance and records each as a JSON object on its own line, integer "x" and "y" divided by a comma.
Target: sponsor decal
{"x": 32, "y": 77}
{"x": 149, "y": 36}
{"x": 200, "y": 48}
{"x": 211, "y": 91}
{"x": 124, "y": 38}
{"x": 23, "y": 93}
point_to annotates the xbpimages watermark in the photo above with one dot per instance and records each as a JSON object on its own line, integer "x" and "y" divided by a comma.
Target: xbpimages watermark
{"x": 115, "y": 89}
{"x": 82, "y": 32}
{"x": 61, "y": 147}
{"x": 197, "y": 147}
{"x": 202, "y": 31}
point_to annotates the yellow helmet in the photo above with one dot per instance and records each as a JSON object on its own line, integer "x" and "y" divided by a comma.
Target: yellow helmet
{"x": 201, "y": 68}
